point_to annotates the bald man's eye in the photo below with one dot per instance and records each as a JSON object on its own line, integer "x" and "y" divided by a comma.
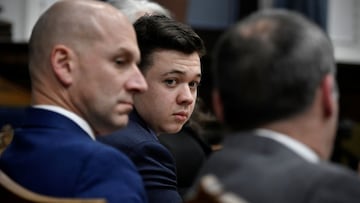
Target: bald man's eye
{"x": 120, "y": 61}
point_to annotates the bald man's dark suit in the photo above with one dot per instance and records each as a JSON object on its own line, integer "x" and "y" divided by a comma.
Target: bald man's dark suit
{"x": 52, "y": 155}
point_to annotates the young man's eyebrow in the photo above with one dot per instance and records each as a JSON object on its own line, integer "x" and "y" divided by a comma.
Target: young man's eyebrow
{"x": 174, "y": 72}
{"x": 179, "y": 72}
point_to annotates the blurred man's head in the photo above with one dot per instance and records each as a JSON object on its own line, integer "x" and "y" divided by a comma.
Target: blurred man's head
{"x": 274, "y": 66}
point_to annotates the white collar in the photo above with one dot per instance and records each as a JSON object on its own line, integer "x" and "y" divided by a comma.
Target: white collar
{"x": 296, "y": 146}
{"x": 72, "y": 116}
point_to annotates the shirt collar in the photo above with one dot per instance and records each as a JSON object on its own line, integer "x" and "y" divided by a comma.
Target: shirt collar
{"x": 72, "y": 116}
{"x": 296, "y": 146}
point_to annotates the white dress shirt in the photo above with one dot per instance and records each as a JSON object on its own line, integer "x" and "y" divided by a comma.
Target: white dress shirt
{"x": 294, "y": 145}
{"x": 72, "y": 116}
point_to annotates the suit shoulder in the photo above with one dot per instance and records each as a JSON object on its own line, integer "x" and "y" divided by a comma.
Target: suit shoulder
{"x": 128, "y": 138}
{"x": 335, "y": 184}
{"x": 338, "y": 172}
{"x": 104, "y": 152}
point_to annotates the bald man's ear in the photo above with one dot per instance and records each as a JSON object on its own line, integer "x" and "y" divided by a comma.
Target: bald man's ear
{"x": 62, "y": 64}
{"x": 218, "y": 105}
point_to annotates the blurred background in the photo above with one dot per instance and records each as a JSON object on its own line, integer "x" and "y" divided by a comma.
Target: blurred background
{"x": 339, "y": 18}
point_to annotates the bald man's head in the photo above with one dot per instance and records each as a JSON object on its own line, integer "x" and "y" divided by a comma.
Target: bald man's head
{"x": 73, "y": 23}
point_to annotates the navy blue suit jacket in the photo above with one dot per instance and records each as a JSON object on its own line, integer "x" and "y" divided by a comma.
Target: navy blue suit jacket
{"x": 52, "y": 155}
{"x": 154, "y": 161}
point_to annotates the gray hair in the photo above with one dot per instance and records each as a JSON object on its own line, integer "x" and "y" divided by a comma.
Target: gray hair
{"x": 134, "y": 9}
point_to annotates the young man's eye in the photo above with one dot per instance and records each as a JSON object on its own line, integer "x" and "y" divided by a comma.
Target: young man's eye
{"x": 194, "y": 84}
{"x": 170, "y": 82}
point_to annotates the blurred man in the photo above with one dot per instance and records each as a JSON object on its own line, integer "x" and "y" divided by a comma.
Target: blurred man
{"x": 276, "y": 90}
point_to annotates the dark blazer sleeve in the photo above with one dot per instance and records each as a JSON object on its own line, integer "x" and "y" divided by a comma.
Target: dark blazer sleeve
{"x": 122, "y": 182}
{"x": 336, "y": 185}
{"x": 157, "y": 167}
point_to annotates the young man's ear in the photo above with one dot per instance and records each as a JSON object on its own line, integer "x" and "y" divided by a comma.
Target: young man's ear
{"x": 329, "y": 95}
{"x": 62, "y": 64}
{"x": 218, "y": 105}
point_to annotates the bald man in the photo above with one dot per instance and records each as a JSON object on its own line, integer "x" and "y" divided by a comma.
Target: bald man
{"x": 84, "y": 76}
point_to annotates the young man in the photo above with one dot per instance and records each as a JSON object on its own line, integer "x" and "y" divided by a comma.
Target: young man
{"x": 276, "y": 90}
{"x": 170, "y": 62}
{"x": 84, "y": 76}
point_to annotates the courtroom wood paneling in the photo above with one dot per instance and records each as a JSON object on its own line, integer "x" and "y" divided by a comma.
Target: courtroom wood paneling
{"x": 14, "y": 75}
{"x": 12, "y": 94}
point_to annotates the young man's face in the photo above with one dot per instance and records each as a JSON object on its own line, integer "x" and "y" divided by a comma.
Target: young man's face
{"x": 173, "y": 79}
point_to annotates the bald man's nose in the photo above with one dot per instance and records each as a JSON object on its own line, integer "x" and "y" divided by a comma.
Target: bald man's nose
{"x": 137, "y": 82}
